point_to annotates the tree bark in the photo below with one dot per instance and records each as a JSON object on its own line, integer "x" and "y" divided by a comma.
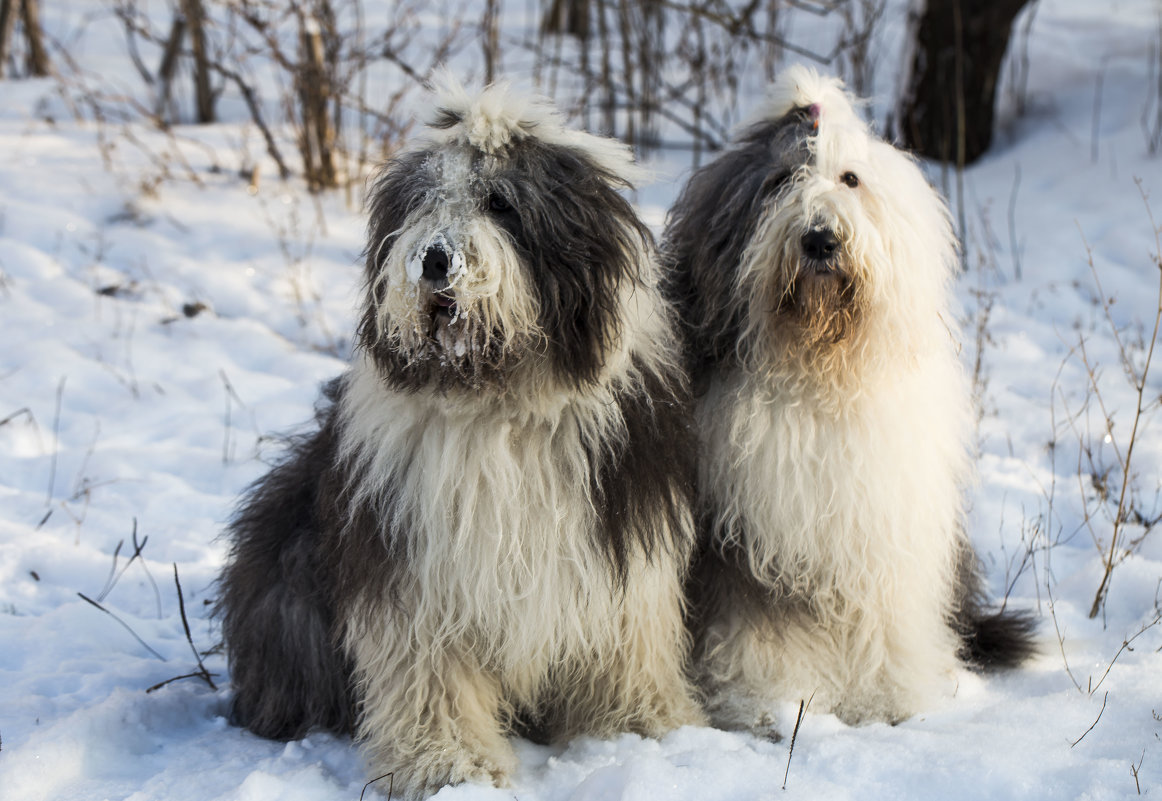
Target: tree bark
{"x": 8, "y": 11}
{"x": 570, "y": 17}
{"x": 195, "y": 14}
{"x": 949, "y": 97}
{"x": 317, "y": 141}
{"x": 490, "y": 35}
{"x": 36, "y": 60}
{"x": 165, "y": 71}
{"x": 36, "y": 56}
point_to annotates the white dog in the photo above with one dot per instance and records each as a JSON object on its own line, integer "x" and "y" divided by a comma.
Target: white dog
{"x": 492, "y": 523}
{"x": 812, "y": 267}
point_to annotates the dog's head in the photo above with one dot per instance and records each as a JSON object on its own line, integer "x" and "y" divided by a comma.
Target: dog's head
{"x": 850, "y": 232}
{"x": 500, "y": 247}
{"x": 805, "y": 238}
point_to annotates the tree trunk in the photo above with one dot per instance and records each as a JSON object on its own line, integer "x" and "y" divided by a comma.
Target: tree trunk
{"x": 195, "y": 14}
{"x": 570, "y": 17}
{"x": 949, "y": 97}
{"x": 9, "y": 9}
{"x": 36, "y": 55}
{"x": 36, "y": 60}
{"x": 490, "y": 36}
{"x": 317, "y": 142}
{"x": 165, "y": 72}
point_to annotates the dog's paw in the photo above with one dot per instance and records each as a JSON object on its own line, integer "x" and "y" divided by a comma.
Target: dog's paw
{"x": 493, "y": 769}
{"x": 428, "y": 772}
{"x": 745, "y": 713}
{"x": 677, "y": 711}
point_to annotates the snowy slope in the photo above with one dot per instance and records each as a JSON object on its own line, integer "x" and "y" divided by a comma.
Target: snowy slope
{"x": 157, "y": 332}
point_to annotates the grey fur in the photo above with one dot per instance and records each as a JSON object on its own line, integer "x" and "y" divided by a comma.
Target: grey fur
{"x": 709, "y": 227}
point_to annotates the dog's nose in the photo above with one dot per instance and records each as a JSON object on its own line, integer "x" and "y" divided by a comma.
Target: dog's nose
{"x": 819, "y": 244}
{"x": 435, "y": 264}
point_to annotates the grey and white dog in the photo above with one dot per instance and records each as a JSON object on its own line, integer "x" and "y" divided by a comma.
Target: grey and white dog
{"x": 492, "y": 523}
{"x": 812, "y": 267}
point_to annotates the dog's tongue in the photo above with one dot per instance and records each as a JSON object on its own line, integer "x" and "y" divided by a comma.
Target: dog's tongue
{"x": 445, "y": 303}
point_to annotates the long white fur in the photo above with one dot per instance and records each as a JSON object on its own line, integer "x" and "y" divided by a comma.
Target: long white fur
{"x": 507, "y": 597}
{"x": 838, "y": 469}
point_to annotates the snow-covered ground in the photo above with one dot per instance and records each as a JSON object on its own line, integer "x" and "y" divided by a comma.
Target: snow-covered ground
{"x": 156, "y": 332}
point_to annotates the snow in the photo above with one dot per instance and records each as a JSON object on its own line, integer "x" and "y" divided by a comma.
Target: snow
{"x": 161, "y": 323}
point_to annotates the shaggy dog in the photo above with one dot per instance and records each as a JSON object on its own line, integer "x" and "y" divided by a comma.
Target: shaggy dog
{"x": 811, "y": 266}
{"x": 492, "y": 523}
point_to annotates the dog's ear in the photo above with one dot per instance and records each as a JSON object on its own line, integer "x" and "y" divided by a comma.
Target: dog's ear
{"x": 580, "y": 241}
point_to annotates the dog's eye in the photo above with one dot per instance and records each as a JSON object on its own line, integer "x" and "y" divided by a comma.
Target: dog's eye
{"x": 499, "y": 203}
{"x": 850, "y": 179}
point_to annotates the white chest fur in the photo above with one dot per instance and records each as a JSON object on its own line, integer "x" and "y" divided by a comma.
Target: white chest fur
{"x": 826, "y": 499}
{"x": 494, "y": 512}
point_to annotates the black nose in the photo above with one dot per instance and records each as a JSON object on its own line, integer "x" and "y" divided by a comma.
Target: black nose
{"x": 435, "y": 264}
{"x": 819, "y": 244}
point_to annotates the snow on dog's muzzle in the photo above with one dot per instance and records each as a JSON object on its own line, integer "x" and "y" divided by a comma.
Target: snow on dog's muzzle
{"x": 437, "y": 261}
{"x": 437, "y": 265}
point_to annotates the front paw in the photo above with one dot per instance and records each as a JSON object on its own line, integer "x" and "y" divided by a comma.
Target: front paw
{"x": 667, "y": 713}
{"x": 427, "y": 772}
{"x": 745, "y": 713}
{"x": 487, "y": 769}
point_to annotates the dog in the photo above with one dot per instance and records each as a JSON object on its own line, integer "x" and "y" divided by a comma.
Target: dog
{"x": 489, "y": 530}
{"x": 812, "y": 266}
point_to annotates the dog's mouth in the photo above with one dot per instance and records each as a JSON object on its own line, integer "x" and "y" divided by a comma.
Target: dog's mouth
{"x": 436, "y": 268}
{"x": 821, "y": 301}
{"x": 816, "y": 289}
{"x": 444, "y": 304}
{"x": 811, "y": 268}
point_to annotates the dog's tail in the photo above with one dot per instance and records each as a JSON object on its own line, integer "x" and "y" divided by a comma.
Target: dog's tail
{"x": 998, "y": 641}
{"x": 989, "y": 640}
